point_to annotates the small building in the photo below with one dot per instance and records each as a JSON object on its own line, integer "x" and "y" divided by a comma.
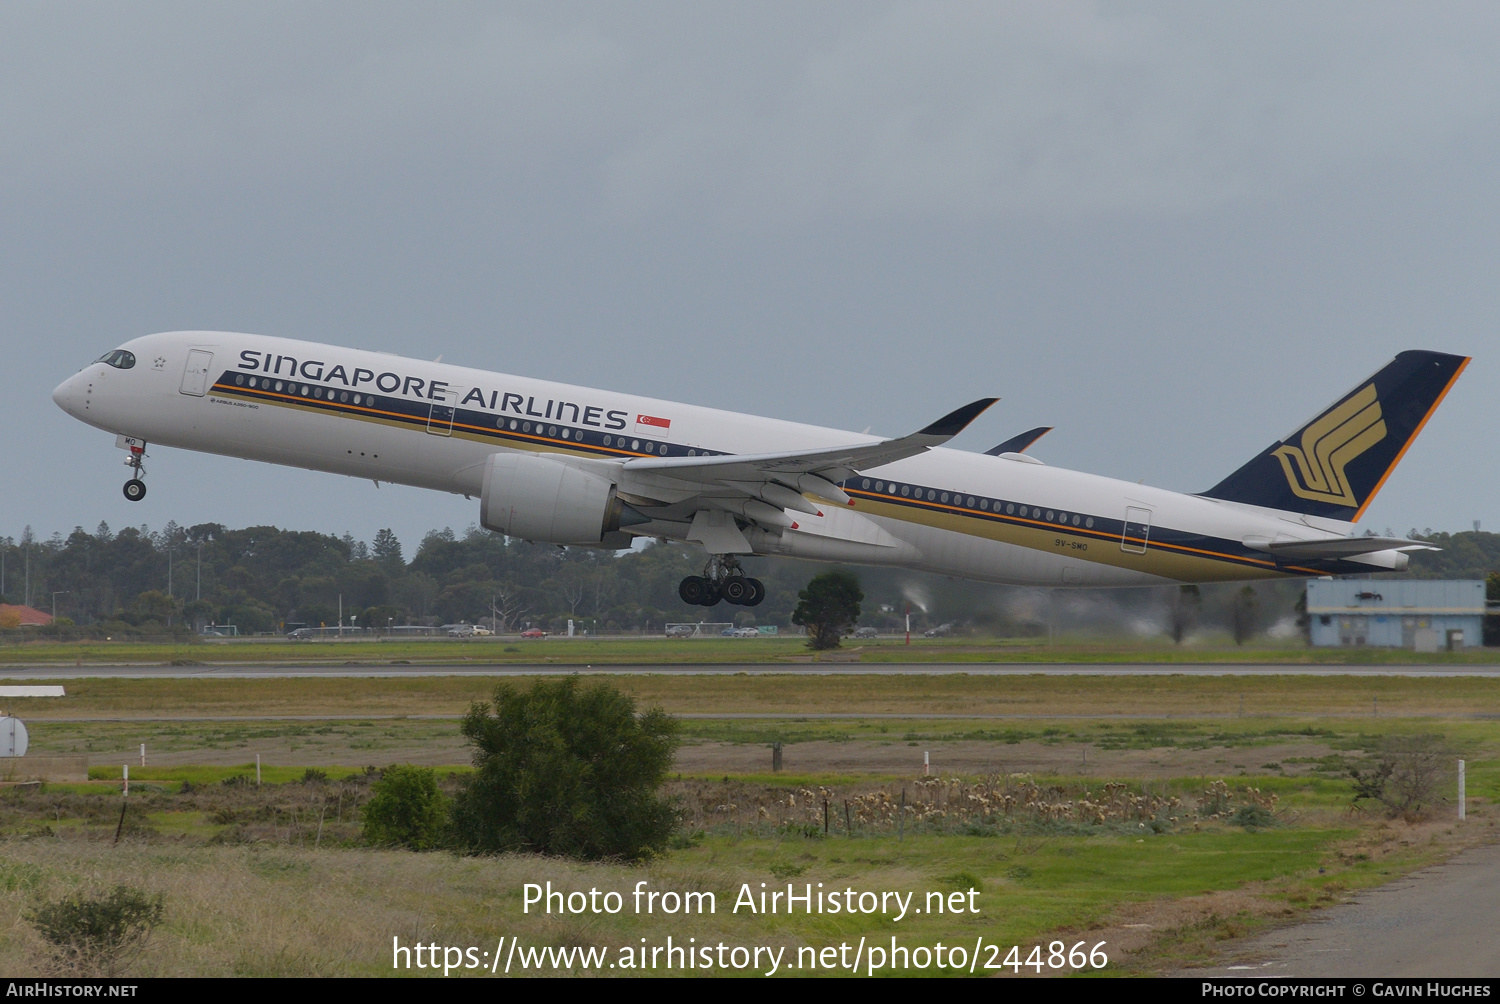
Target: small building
{"x": 14, "y": 614}
{"x": 1420, "y": 614}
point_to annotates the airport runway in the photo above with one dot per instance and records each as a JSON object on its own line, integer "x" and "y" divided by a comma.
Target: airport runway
{"x": 253, "y": 671}
{"x": 1436, "y": 922}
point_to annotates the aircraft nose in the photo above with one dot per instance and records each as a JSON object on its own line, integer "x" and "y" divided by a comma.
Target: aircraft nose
{"x": 68, "y": 393}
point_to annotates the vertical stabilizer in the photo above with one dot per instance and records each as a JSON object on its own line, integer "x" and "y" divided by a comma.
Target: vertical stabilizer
{"x": 1334, "y": 465}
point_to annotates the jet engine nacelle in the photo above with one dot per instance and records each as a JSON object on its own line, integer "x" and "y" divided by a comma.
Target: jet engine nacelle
{"x": 538, "y": 499}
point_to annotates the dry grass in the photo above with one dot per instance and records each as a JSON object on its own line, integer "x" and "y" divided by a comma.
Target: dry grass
{"x": 272, "y": 881}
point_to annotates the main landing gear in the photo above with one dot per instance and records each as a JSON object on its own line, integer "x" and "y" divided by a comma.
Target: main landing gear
{"x": 722, "y": 579}
{"x": 135, "y": 488}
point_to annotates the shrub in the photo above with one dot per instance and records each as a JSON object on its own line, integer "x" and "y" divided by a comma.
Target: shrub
{"x": 406, "y": 809}
{"x": 1253, "y": 817}
{"x": 91, "y": 934}
{"x": 828, "y": 608}
{"x": 567, "y": 770}
{"x": 1407, "y": 774}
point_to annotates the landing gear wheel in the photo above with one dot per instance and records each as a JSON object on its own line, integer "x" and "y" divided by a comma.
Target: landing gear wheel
{"x": 713, "y": 592}
{"x": 135, "y": 489}
{"x": 737, "y": 590}
{"x": 757, "y": 593}
{"x": 692, "y": 590}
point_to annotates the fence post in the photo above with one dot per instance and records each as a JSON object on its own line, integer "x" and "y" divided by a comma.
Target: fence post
{"x": 848, "y": 826}
{"x": 901, "y": 820}
{"x": 776, "y": 757}
{"x": 1462, "y": 802}
{"x": 825, "y": 817}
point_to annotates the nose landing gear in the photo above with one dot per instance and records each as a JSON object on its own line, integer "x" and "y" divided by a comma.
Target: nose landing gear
{"x": 135, "y": 488}
{"x": 722, "y": 579}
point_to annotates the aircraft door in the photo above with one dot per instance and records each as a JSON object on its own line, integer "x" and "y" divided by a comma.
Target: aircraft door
{"x": 195, "y": 374}
{"x": 440, "y": 414}
{"x": 1137, "y": 530}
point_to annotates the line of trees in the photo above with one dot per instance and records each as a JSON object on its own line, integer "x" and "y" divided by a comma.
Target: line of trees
{"x": 139, "y": 582}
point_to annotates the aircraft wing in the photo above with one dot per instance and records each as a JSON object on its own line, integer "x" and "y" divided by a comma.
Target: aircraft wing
{"x": 831, "y": 465}
{"x": 1337, "y": 547}
{"x": 760, "y": 488}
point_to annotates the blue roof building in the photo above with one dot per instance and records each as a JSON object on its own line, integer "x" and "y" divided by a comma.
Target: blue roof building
{"x": 1421, "y": 614}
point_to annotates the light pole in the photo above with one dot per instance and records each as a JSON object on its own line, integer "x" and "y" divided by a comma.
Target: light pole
{"x": 169, "y": 571}
{"x": 198, "y": 589}
{"x": 55, "y": 594}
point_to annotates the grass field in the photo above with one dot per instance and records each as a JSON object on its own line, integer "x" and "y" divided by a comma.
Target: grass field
{"x": 274, "y": 880}
{"x": 655, "y": 650}
{"x": 791, "y": 695}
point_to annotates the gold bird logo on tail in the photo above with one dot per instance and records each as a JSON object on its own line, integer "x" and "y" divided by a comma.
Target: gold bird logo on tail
{"x": 1328, "y": 445}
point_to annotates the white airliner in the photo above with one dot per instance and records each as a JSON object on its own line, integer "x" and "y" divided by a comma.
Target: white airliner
{"x": 569, "y": 465}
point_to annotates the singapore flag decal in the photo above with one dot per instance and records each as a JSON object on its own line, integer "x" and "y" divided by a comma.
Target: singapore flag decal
{"x": 651, "y": 420}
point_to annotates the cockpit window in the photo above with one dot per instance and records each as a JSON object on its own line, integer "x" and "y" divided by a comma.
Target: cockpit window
{"x": 119, "y": 359}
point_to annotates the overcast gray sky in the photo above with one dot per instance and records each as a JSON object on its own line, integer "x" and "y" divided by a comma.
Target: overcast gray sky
{"x": 1171, "y": 230}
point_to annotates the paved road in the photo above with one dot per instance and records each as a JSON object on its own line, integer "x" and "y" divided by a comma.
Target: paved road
{"x": 274, "y": 671}
{"x": 1441, "y": 921}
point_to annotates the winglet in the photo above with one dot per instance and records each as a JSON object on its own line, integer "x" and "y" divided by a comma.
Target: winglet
{"x": 1019, "y": 444}
{"x": 955, "y": 422}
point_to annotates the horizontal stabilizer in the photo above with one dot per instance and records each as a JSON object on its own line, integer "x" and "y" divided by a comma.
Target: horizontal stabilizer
{"x": 1335, "y": 547}
{"x": 1018, "y": 444}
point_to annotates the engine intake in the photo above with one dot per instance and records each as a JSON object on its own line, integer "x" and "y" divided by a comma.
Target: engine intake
{"x": 538, "y": 499}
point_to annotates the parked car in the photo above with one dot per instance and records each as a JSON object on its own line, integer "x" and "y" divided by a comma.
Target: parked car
{"x": 864, "y": 632}
{"x": 941, "y": 631}
{"x": 533, "y": 633}
{"x": 468, "y": 631}
{"x": 680, "y": 631}
{"x": 746, "y": 632}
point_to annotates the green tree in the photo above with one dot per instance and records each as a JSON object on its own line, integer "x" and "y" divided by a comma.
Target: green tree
{"x": 567, "y": 770}
{"x": 1182, "y": 615}
{"x": 1244, "y": 615}
{"x": 154, "y": 605}
{"x": 406, "y": 809}
{"x": 197, "y": 612}
{"x": 251, "y": 618}
{"x": 828, "y": 608}
{"x": 387, "y": 551}
{"x": 1491, "y": 624}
